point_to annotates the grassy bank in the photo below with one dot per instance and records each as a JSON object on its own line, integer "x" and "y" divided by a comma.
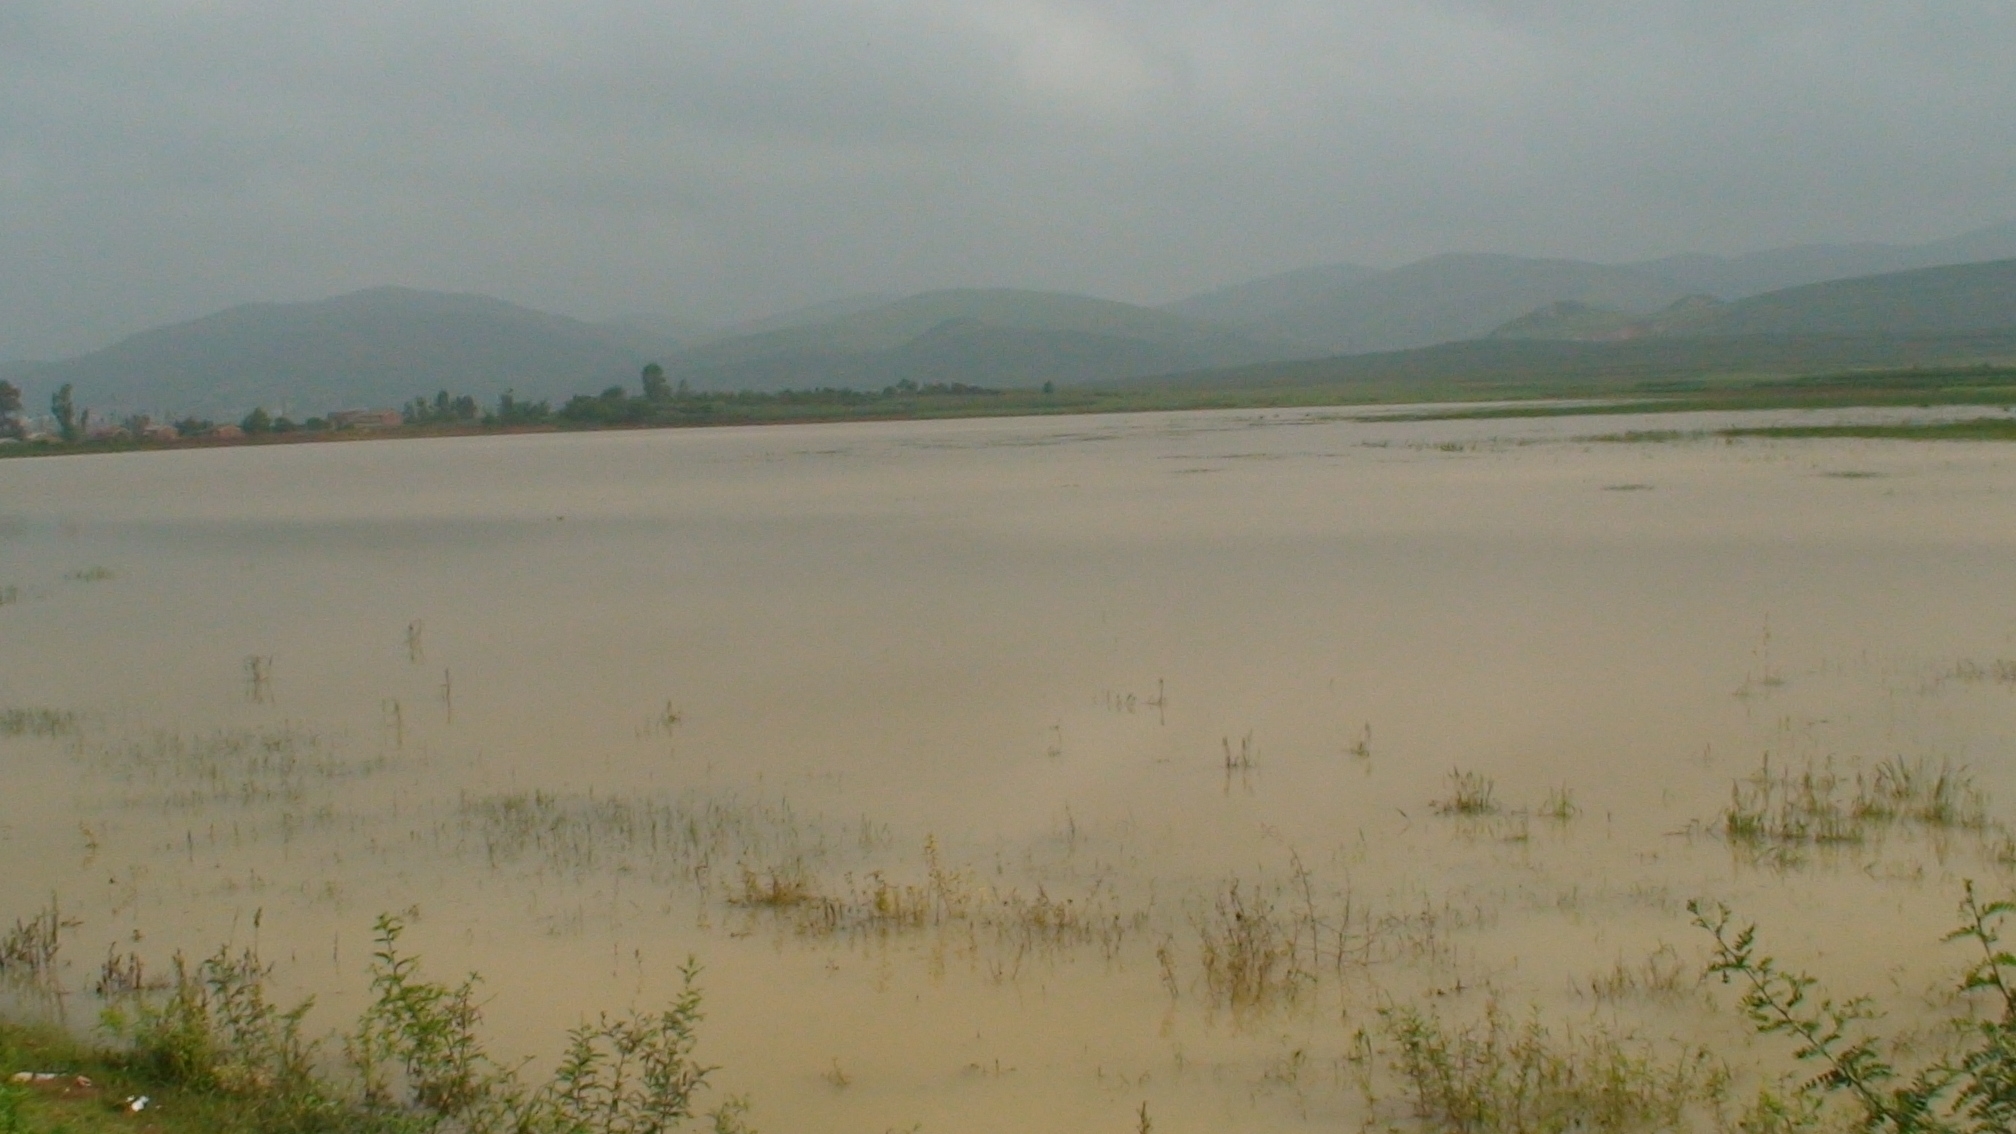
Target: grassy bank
{"x": 93, "y": 1089}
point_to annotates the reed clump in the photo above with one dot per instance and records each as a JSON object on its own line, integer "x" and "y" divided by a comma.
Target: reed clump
{"x": 29, "y": 950}
{"x": 1817, "y": 804}
{"x": 1918, "y": 791}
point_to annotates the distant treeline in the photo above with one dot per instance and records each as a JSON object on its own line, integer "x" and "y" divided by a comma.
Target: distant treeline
{"x": 656, "y": 402}
{"x": 659, "y": 402}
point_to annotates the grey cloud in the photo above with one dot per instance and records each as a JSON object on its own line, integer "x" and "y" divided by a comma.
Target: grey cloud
{"x": 161, "y": 160}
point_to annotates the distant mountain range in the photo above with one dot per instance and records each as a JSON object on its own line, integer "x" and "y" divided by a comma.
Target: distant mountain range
{"x": 383, "y": 346}
{"x": 1348, "y": 309}
{"x": 1734, "y": 277}
{"x": 1962, "y": 314}
{"x": 1956, "y": 299}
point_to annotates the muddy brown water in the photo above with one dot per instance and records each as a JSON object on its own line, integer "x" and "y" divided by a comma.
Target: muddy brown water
{"x": 559, "y": 696}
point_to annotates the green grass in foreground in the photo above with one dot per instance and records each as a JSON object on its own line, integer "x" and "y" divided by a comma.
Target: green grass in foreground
{"x": 62, "y": 1106}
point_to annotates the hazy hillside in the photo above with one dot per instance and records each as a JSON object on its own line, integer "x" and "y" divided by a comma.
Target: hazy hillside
{"x": 1458, "y": 297}
{"x": 377, "y": 347}
{"x": 1733, "y": 277}
{"x": 1257, "y": 302}
{"x": 1346, "y": 308}
{"x": 1958, "y": 298}
{"x": 996, "y": 336}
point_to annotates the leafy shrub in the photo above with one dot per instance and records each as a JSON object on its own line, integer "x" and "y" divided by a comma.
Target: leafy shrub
{"x": 1971, "y": 1090}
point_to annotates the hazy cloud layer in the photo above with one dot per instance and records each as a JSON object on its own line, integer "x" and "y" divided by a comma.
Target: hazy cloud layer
{"x": 160, "y": 159}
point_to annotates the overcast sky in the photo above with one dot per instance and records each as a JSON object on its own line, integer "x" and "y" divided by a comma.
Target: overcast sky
{"x": 162, "y": 159}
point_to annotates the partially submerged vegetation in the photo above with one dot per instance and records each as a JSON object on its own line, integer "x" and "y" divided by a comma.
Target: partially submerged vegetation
{"x": 1501, "y": 1076}
{"x": 210, "y": 1050}
{"x": 1817, "y": 804}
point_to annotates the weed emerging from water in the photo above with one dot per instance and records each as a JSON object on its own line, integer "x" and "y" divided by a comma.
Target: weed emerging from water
{"x": 1661, "y": 974}
{"x": 1250, "y": 957}
{"x": 28, "y": 951}
{"x": 1560, "y": 805}
{"x": 776, "y": 887}
{"x": 1470, "y": 793}
{"x": 90, "y": 575}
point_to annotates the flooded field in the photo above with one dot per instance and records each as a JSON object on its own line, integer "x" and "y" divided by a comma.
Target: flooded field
{"x": 1088, "y": 774}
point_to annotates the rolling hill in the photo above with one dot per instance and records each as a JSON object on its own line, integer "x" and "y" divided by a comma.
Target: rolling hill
{"x": 1956, "y": 299}
{"x": 378, "y": 347}
{"x": 1437, "y": 300}
{"x": 980, "y": 336}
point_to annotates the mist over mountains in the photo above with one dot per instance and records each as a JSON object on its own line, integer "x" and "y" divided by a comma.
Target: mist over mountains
{"x": 382, "y": 346}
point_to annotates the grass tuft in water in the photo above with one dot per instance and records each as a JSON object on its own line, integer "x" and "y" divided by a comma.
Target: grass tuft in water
{"x": 1470, "y": 793}
{"x": 1816, "y": 804}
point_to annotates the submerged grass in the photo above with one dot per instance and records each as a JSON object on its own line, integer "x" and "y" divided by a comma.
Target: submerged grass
{"x": 241, "y": 766}
{"x": 687, "y": 839}
{"x": 38, "y": 722}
